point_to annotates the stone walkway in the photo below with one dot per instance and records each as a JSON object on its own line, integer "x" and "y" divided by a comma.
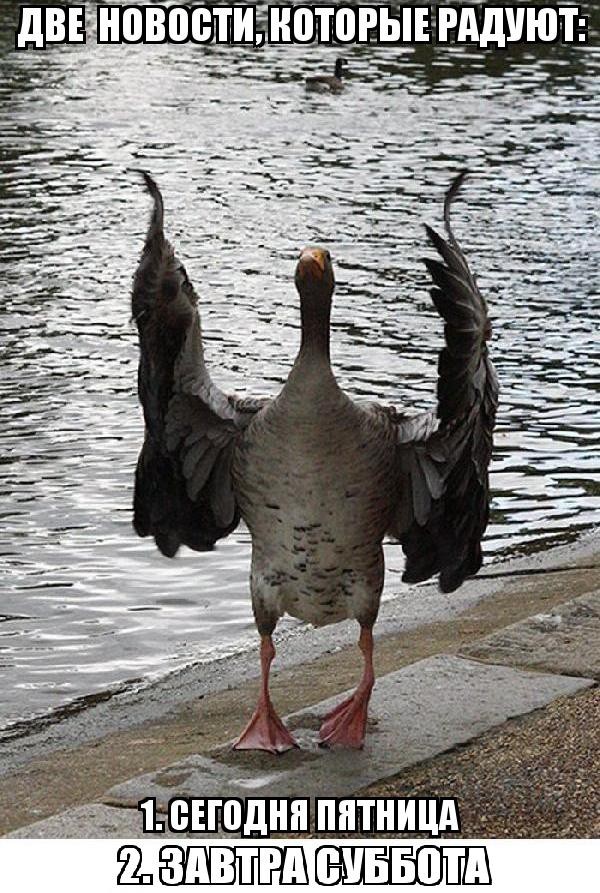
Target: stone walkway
{"x": 421, "y": 714}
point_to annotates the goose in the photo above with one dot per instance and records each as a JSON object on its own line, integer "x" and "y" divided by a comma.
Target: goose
{"x": 318, "y": 478}
{"x": 332, "y": 82}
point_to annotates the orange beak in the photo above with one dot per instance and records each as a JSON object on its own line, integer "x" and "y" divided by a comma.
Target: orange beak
{"x": 313, "y": 257}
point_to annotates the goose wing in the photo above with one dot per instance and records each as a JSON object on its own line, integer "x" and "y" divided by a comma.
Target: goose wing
{"x": 443, "y": 457}
{"x": 183, "y": 486}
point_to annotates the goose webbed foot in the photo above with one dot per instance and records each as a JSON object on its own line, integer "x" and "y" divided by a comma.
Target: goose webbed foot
{"x": 346, "y": 724}
{"x": 265, "y": 731}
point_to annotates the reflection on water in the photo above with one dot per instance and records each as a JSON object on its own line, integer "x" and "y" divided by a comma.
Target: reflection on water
{"x": 252, "y": 168}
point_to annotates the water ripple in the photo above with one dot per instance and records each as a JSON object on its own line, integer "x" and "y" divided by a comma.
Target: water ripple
{"x": 252, "y": 169}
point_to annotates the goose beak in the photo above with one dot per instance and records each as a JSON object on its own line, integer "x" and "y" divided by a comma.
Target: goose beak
{"x": 312, "y": 262}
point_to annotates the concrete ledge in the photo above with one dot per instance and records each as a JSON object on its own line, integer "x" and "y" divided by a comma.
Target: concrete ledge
{"x": 94, "y": 820}
{"x": 417, "y": 712}
{"x": 565, "y": 640}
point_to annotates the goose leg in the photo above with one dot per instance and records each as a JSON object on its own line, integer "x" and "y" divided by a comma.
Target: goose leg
{"x": 346, "y": 723}
{"x": 265, "y": 731}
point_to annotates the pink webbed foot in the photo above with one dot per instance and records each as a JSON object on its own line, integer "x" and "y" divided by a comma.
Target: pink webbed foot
{"x": 346, "y": 724}
{"x": 265, "y": 731}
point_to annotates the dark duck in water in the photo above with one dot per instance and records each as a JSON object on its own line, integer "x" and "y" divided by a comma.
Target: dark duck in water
{"x": 324, "y": 83}
{"x": 318, "y": 478}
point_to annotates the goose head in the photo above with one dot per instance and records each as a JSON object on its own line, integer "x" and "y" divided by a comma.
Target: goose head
{"x": 339, "y": 67}
{"x": 314, "y": 275}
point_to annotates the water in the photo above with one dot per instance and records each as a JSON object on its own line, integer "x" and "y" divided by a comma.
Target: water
{"x": 252, "y": 168}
